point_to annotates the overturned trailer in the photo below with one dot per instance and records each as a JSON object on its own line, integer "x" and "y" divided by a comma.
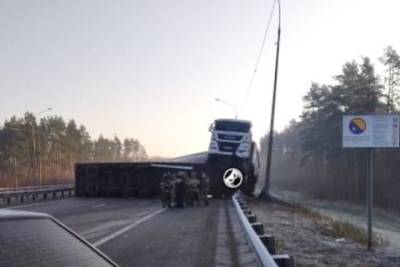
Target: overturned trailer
{"x": 142, "y": 179}
{"x": 124, "y": 179}
{"x": 139, "y": 179}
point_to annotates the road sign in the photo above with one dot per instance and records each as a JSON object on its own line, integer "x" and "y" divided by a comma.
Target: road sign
{"x": 371, "y": 131}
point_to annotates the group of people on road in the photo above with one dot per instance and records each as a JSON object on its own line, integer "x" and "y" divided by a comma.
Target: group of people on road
{"x": 184, "y": 189}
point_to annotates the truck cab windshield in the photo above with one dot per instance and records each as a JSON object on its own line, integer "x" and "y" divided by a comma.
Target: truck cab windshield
{"x": 235, "y": 126}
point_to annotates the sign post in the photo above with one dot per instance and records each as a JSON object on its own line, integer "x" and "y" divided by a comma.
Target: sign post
{"x": 370, "y": 131}
{"x": 370, "y": 195}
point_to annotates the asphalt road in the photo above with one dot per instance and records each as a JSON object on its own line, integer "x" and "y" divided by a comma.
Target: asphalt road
{"x": 138, "y": 232}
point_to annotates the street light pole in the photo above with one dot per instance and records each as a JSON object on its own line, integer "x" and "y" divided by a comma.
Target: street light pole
{"x": 229, "y": 104}
{"x": 34, "y": 152}
{"x": 34, "y": 146}
{"x": 271, "y": 127}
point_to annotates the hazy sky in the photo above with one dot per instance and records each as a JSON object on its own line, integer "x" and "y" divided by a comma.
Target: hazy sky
{"x": 151, "y": 69}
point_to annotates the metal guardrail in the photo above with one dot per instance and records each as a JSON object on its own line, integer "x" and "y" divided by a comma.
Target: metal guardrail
{"x": 20, "y": 195}
{"x": 19, "y": 188}
{"x": 263, "y": 255}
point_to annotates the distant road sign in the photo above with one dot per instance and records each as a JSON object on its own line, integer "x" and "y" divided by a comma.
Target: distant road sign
{"x": 371, "y": 131}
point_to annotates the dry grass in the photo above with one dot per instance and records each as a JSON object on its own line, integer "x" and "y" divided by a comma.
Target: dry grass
{"x": 338, "y": 229}
{"x": 295, "y": 208}
{"x": 355, "y": 233}
{"x": 345, "y": 229}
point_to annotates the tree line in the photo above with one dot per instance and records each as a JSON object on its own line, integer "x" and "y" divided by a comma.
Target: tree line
{"x": 36, "y": 152}
{"x": 308, "y": 155}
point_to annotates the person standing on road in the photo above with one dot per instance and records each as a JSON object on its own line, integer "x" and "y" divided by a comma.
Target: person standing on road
{"x": 188, "y": 192}
{"x": 174, "y": 181}
{"x": 166, "y": 190}
{"x": 194, "y": 185}
{"x": 204, "y": 187}
{"x": 180, "y": 191}
{"x": 190, "y": 189}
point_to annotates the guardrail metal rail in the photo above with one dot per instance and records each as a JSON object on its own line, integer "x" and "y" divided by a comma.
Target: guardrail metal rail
{"x": 20, "y": 195}
{"x": 262, "y": 244}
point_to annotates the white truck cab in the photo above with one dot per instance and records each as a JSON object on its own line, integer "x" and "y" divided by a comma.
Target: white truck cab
{"x": 231, "y": 138}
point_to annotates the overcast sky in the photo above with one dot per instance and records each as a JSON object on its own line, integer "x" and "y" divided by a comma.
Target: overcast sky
{"x": 151, "y": 69}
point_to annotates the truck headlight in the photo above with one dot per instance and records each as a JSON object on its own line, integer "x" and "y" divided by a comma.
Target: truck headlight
{"x": 246, "y": 138}
{"x": 213, "y": 145}
{"x": 243, "y": 150}
{"x": 244, "y": 147}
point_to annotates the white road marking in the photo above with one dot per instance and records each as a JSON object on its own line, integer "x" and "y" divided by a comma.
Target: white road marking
{"x": 127, "y": 228}
{"x": 99, "y": 205}
{"x": 143, "y": 213}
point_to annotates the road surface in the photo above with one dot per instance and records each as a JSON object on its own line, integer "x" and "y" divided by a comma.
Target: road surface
{"x": 138, "y": 232}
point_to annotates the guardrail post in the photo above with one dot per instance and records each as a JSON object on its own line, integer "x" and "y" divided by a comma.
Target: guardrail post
{"x": 258, "y": 228}
{"x": 34, "y": 197}
{"x": 70, "y": 192}
{"x": 246, "y": 211}
{"x": 8, "y": 200}
{"x": 44, "y": 195}
{"x": 269, "y": 243}
{"x": 54, "y": 194}
{"x": 284, "y": 260}
{"x": 62, "y": 193}
{"x": 21, "y": 199}
{"x": 252, "y": 218}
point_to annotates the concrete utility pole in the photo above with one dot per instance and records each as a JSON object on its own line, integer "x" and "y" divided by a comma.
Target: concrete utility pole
{"x": 229, "y": 104}
{"x": 271, "y": 127}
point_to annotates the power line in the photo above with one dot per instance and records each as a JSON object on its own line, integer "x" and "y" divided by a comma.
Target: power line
{"x": 258, "y": 56}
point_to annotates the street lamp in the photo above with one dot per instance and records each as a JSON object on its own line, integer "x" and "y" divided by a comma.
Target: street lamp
{"x": 229, "y": 104}
{"x": 271, "y": 127}
{"x": 34, "y": 146}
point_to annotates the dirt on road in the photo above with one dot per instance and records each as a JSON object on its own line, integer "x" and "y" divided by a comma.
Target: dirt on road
{"x": 312, "y": 242}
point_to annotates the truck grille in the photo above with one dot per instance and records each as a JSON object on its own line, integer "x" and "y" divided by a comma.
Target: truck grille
{"x": 230, "y": 137}
{"x": 227, "y": 146}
